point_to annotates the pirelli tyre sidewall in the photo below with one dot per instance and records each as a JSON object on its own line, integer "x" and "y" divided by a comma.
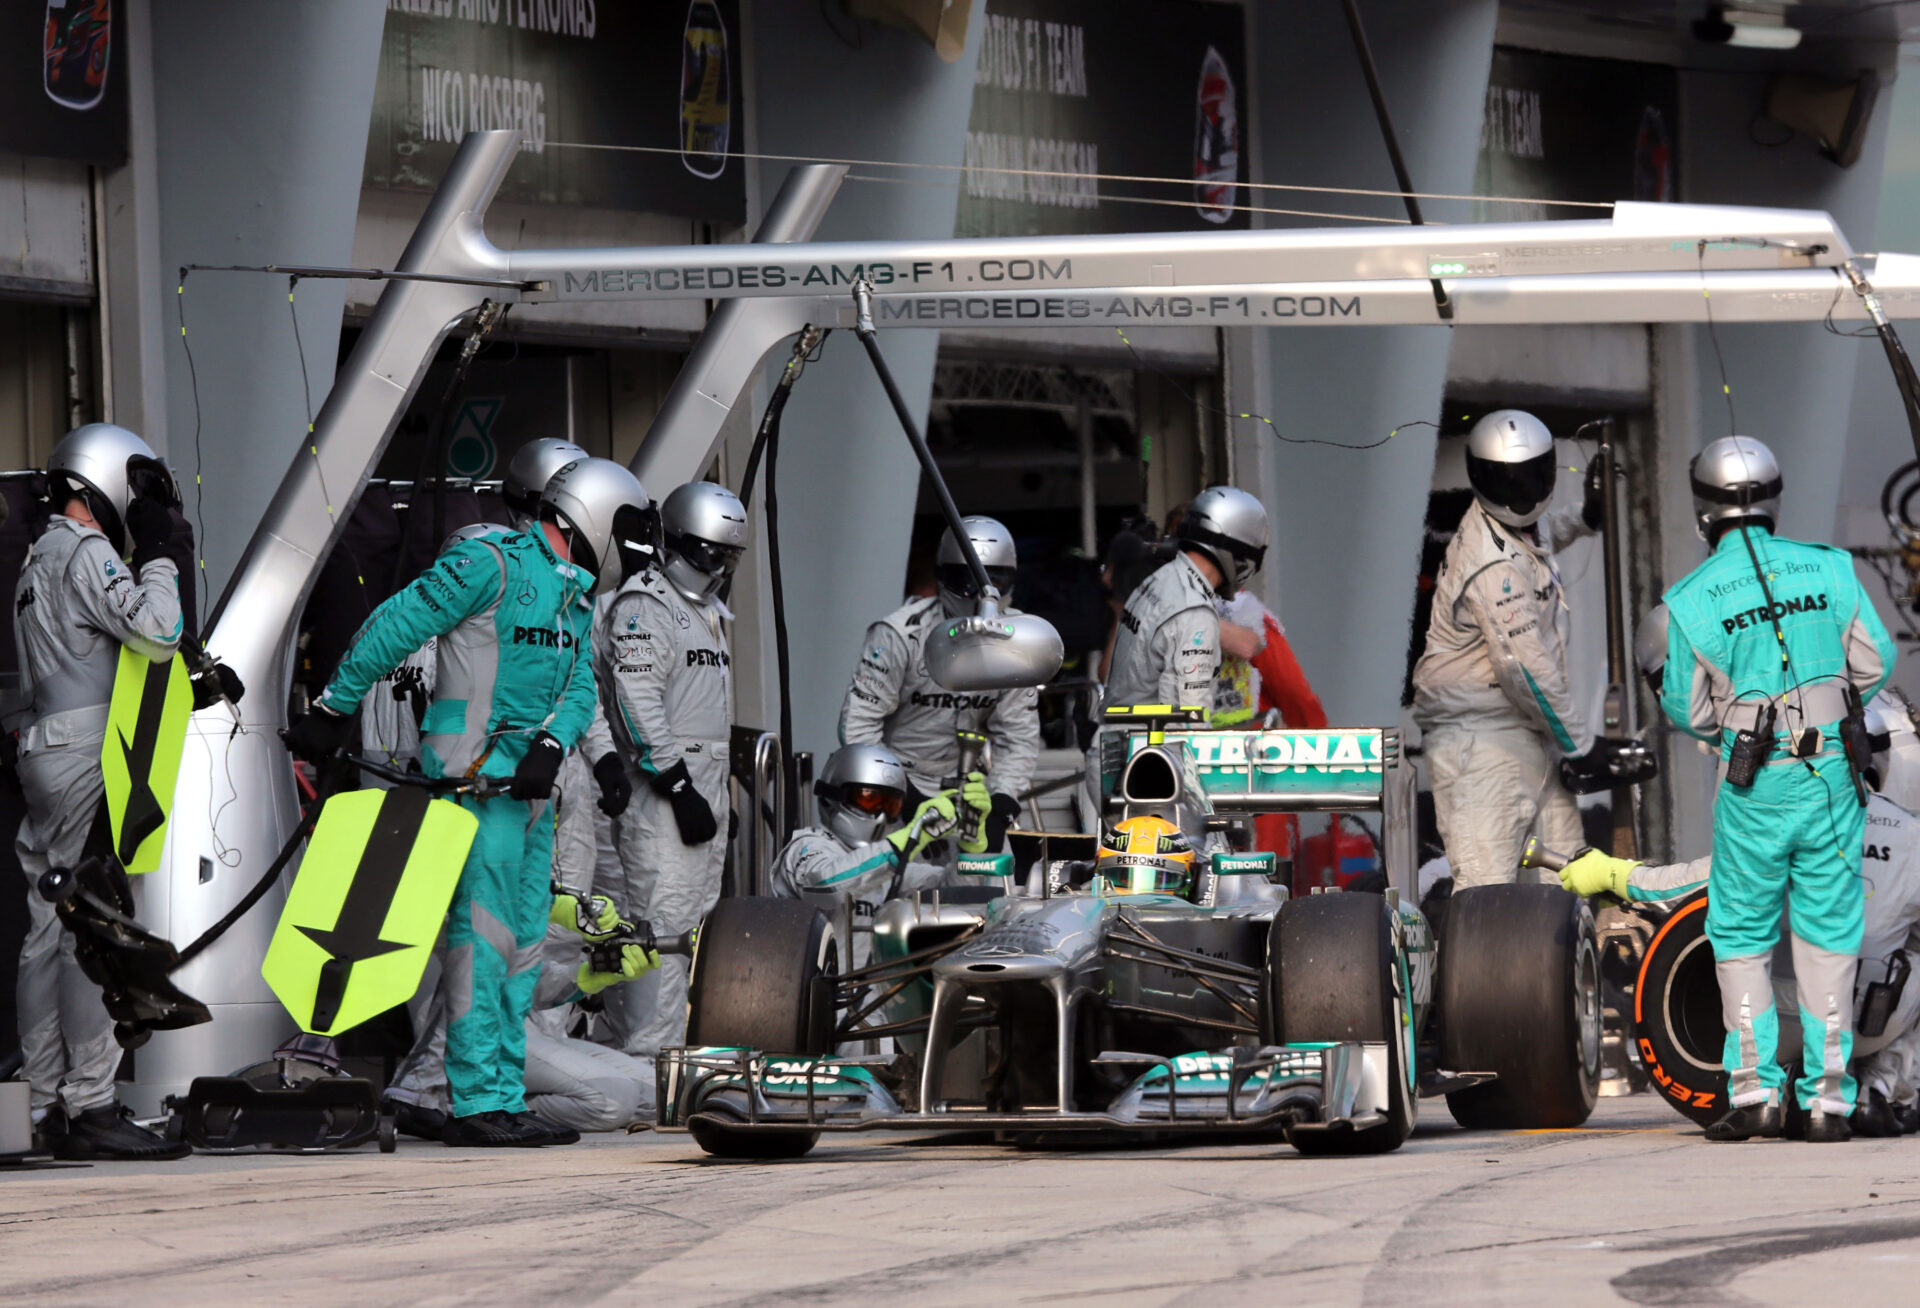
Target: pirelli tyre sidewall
{"x": 763, "y": 979}
{"x": 1519, "y": 996}
{"x": 1676, "y": 1014}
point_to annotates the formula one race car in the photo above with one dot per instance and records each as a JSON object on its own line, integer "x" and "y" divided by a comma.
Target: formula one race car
{"x": 1056, "y": 1005}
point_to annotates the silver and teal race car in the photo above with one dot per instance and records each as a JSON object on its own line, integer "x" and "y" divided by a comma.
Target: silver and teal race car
{"x": 1053, "y": 1006}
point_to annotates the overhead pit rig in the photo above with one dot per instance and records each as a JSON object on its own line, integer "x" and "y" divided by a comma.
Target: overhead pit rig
{"x": 1647, "y": 263}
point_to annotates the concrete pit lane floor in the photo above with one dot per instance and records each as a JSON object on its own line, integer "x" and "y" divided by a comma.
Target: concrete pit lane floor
{"x": 1634, "y": 1208}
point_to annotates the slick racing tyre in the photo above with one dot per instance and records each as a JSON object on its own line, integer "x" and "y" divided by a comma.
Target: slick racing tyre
{"x": 1333, "y": 973}
{"x": 1519, "y": 996}
{"x": 762, "y": 979}
{"x": 1676, "y": 1014}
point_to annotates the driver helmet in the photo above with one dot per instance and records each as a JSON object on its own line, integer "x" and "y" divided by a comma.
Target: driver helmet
{"x": 954, "y": 579}
{"x": 1896, "y": 749}
{"x": 610, "y": 523}
{"x": 706, "y": 532}
{"x": 1735, "y": 479}
{"x": 1511, "y": 467}
{"x": 528, "y": 473}
{"x": 107, "y": 467}
{"x": 1230, "y": 527}
{"x": 1144, "y": 856}
{"x": 860, "y": 792}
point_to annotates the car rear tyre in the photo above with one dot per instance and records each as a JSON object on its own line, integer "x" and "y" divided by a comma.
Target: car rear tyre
{"x": 1519, "y": 995}
{"x": 762, "y": 979}
{"x": 1676, "y": 1014}
{"x": 1334, "y": 974}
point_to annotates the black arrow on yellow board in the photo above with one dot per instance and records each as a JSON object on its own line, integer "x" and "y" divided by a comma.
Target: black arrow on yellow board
{"x": 355, "y": 934}
{"x": 143, "y": 815}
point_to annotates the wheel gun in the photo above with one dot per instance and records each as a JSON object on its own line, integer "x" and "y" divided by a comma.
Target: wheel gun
{"x": 603, "y": 948}
{"x": 1537, "y": 855}
{"x": 603, "y": 953}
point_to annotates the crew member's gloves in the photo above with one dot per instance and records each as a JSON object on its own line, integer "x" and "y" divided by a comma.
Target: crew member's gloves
{"x": 214, "y": 682}
{"x": 1593, "y": 509}
{"x": 1006, "y": 811}
{"x": 691, "y": 813}
{"x": 592, "y": 916}
{"x": 1594, "y": 873}
{"x": 635, "y": 961}
{"x": 150, "y": 528}
{"x": 933, "y": 820}
{"x": 534, "y": 778}
{"x": 616, "y": 792}
{"x": 1611, "y": 762}
{"x": 319, "y": 735}
{"x": 979, "y": 808}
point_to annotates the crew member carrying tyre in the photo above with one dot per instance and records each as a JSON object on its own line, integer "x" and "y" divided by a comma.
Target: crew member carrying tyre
{"x": 861, "y": 853}
{"x": 1491, "y": 690}
{"x": 1771, "y": 643}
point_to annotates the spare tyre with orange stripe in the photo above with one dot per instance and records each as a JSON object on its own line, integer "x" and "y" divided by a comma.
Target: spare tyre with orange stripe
{"x": 1676, "y": 1014}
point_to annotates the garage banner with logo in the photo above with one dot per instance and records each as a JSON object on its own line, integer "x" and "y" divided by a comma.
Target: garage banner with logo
{"x": 660, "y": 75}
{"x": 1067, "y": 98}
{"x": 63, "y": 82}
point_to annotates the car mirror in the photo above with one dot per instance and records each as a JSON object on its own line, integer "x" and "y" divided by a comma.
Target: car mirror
{"x": 984, "y": 865}
{"x": 1244, "y": 865}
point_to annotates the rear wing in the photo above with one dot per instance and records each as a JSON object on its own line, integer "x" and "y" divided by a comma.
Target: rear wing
{"x": 1336, "y": 770}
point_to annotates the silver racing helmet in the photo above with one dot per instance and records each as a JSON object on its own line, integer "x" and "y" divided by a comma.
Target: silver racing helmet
{"x": 1230, "y": 527}
{"x": 1895, "y": 739}
{"x": 706, "y": 532}
{"x": 107, "y": 467}
{"x": 1511, "y": 467}
{"x": 1650, "y": 646}
{"x": 528, "y": 472}
{"x": 472, "y": 531}
{"x": 860, "y": 792}
{"x": 1735, "y": 479}
{"x": 612, "y": 528}
{"x": 954, "y": 579}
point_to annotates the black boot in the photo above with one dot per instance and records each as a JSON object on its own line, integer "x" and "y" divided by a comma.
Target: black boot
{"x": 1873, "y": 1116}
{"x": 1827, "y": 1128}
{"x": 107, "y": 1134}
{"x": 551, "y": 1133}
{"x": 1762, "y": 1120}
{"x": 412, "y": 1119}
{"x": 491, "y": 1130}
{"x": 1907, "y": 1116}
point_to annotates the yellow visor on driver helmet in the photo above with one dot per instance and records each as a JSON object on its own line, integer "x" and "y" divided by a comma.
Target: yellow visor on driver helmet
{"x": 1145, "y": 856}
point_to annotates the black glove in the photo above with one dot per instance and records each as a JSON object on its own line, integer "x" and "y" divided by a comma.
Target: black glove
{"x": 733, "y": 824}
{"x": 534, "y": 778}
{"x": 150, "y": 528}
{"x": 691, "y": 813}
{"x": 1006, "y": 811}
{"x": 214, "y": 682}
{"x": 319, "y": 735}
{"x": 1593, "y": 510}
{"x": 1611, "y": 762}
{"x": 616, "y": 792}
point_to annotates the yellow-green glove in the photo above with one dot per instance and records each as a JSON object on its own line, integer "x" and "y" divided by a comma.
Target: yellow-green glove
{"x": 1594, "y": 873}
{"x": 635, "y": 961}
{"x": 593, "y": 916}
{"x": 979, "y": 805}
{"x": 932, "y": 821}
